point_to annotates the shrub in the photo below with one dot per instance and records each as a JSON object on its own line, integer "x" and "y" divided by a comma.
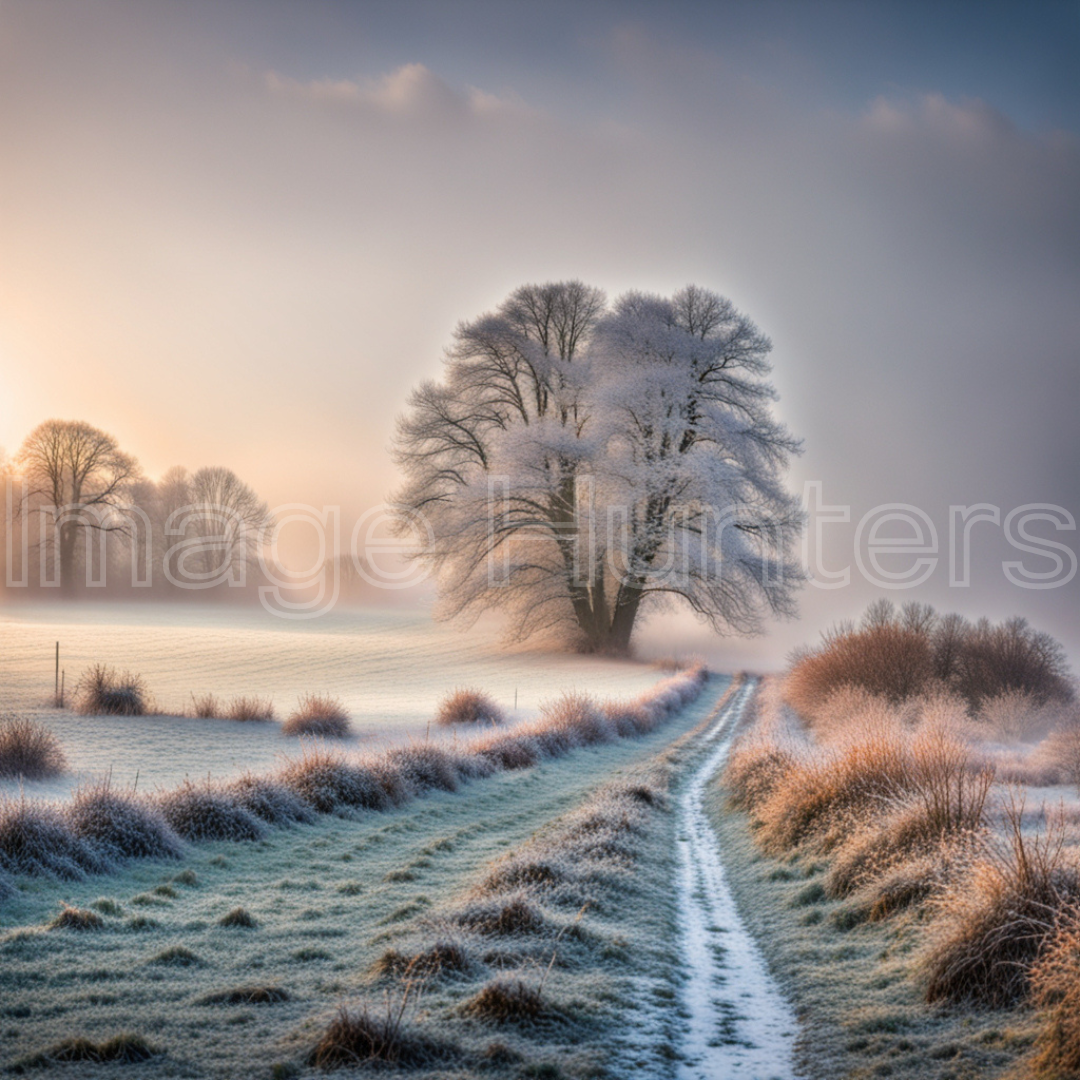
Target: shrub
{"x": 1055, "y": 986}
{"x": 73, "y": 918}
{"x": 327, "y": 781}
{"x": 269, "y": 800}
{"x": 468, "y": 707}
{"x": 1062, "y": 749}
{"x": 318, "y": 714}
{"x": 570, "y": 721}
{"x": 887, "y": 657}
{"x": 995, "y": 922}
{"x": 1011, "y": 657}
{"x": 473, "y": 766}
{"x": 104, "y": 691}
{"x": 250, "y": 708}
{"x": 1013, "y": 715}
{"x": 205, "y": 812}
{"x": 948, "y": 785}
{"x": 36, "y": 839}
{"x": 121, "y": 824}
{"x": 579, "y": 715}
{"x": 28, "y": 749}
{"x": 900, "y": 656}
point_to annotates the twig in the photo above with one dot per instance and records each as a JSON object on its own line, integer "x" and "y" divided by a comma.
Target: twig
{"x": 555, "y": 951}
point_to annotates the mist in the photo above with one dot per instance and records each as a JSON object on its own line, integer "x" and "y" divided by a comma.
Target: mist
{"x": 239, "y": 235}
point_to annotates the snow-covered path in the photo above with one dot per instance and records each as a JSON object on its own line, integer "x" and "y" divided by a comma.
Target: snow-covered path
{"x": 739, "y": 1026}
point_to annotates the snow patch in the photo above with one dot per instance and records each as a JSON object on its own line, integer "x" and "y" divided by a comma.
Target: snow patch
{"x": 738, "y": 1023}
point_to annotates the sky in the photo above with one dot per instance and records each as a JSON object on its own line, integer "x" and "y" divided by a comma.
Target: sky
{"x": 239, "y": 233}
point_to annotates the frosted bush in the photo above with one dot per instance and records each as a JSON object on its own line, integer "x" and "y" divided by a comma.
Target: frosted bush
{"x": 122, "y": 825}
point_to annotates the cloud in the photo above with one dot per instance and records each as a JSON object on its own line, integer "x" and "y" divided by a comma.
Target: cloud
{"x": 410, "y": 91}
{"x": 969, "y": 120}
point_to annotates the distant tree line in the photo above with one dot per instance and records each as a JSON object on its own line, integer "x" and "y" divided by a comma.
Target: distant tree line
{"x": 79, "y": 513}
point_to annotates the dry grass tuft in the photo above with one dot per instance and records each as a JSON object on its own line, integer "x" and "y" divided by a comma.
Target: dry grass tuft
{"x": 754, "y": 770}
{"x": 642, "y": 793}
{"x": 995, "y": 922}
{"x": 357, "y": 1038}
{"x": 249, "y": 708}
{"x": 522, "y": 872}
{"x": 318, "y": 715}
{"x": 269, "y": 800}
{"x": 570, "y": 721}
{"x": 238, "y": 919}
{"x": 501, "y": 918}
{"x": 507, "y": 1001}
{"x": 468, "y": 707}
{"x": 36, "y": 839}
{"x": 629, "y": 718}
{"x": 508, "y": 750}
{"x": 28, "y": 749}
{"x": 439, "y": 958}
{"x": 822, "y": 794}
{"x": 73, "y": 918}
{"x": 124, "y": 1049}
{"x": 122, "y": 825}
{"x": 944, "y": 804}
{"x": 176, "y": 956}
{"x": 246, "y": 995}
{"x": 205, "y": 812}
{"x": 1055, "y": 986}
{"x": 328, "y": 781}
{"x": 206, "y": 707}
{"x": 104, "y": 691}
{"x": 423, "y": 767}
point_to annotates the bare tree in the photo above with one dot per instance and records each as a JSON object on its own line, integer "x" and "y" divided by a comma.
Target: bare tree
{"x": 81, "y": 473}
{"x": 225, "y": 522}
{"x": 577, "y": 465}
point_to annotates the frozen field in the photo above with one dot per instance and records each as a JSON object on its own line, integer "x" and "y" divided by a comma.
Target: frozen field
{"x": 327, "y": 900}
{"x": 389, "y": 667}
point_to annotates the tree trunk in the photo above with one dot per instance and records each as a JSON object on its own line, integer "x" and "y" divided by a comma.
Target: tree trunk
{"x": 69, "y": 533}
{"x": 627, "y": 604}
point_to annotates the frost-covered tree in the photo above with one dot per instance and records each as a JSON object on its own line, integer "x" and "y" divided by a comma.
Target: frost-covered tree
{"x": 579, "y": 464}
